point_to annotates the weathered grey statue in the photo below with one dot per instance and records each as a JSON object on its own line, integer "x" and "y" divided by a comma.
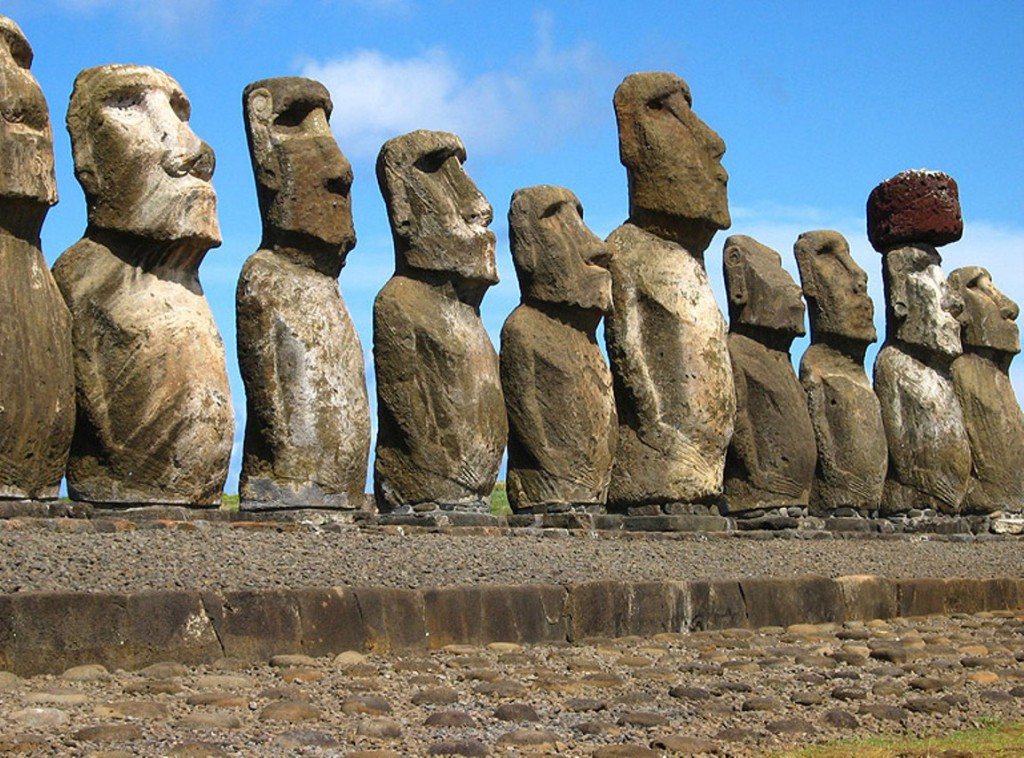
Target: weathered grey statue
{"x": 850, "y": 439}
{"x": 666, "y": 335}
{"x": 155, "y": 422}
{"x": 37, "y": 378}
{"x": 995, "y": 424}
{"x": 441, "y": 416}
{"x": 772, "y": 455}
{"x": 929, "y": 453}
{"x": 307, "y": 432}
{"x": 558, "y": 389}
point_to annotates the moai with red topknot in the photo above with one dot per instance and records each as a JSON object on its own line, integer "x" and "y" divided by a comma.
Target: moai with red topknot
{"x": 909, "y": 216}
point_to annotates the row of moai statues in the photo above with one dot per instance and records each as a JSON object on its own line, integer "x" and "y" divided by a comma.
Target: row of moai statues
{"x": 115, "y": 372}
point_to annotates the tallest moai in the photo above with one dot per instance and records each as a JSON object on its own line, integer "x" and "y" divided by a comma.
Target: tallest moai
{"x": 37, "y": 385}
{"x": 666, "y": 334}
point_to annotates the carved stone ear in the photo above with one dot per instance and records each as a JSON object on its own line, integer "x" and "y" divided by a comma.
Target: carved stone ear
{"x": 735, "y": 281}
{"x": 260, "y": 110}
{"x": 900, "y": 308}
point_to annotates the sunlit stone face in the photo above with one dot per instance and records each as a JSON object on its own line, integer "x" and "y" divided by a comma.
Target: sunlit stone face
{"x": 921, "y": 306}
{"x": 439, "y": 217}
{"x": 761, "y": 293}
{"x": 558, "y": 259}
{"x": 989, "y": 317}
{"x": 26, "y": 136}
{"x": 835, "y": 287}
{"x": 303, "y": 178}
{"x": 143, "y": 169}
{"x": 673, "y": 159}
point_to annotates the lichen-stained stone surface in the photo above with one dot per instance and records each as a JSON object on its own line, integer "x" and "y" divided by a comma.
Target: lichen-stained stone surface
{"x": 914, "y": 206}
{"x": 992, "y": 413}
{"x": 154, "y": 421}
{"x": 666, "y": 336}
{"x": 557, "y": 386}
{"x": 441, "y": 415}
{"x": 37, "y": 380}
{"x": 307, "y": 434}
{"x": 771, "y": 458}
{"x": 929, "y": 452}
{"x": 844, "y": 410}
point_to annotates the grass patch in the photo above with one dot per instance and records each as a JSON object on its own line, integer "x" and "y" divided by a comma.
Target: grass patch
{"x": 1001, "y": 739}
{"x": 229, "y": 502}
{"x": 499, "y": 501}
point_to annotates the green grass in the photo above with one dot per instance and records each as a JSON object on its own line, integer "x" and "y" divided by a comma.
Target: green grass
{"x": 499, "y": 501}
{"x": 229, "y": 502}
{"x": 1000, "y": 739}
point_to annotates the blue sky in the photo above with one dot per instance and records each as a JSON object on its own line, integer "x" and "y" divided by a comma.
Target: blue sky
{"x": 817, "y": 103}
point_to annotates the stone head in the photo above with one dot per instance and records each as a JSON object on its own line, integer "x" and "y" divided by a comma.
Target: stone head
{"x": 761, "y": 293}
{"x": 912, "y": 207}
{"x": 989, "y": 317}
{"x": 26, "y": 136}
{"x": 921, "y": 310}
{"x": 677, "y": 185}
{"x": 302, "y": 178}
{"x": 143, "y": 170}
{"x": 835, "y": 287}
{"x": 557, "y": 258}
{"x": 438, "y": 217}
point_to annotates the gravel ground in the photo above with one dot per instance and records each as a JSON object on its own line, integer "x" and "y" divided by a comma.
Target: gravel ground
{"x": 221, "y": 557}
{"x": 736, "y": 692}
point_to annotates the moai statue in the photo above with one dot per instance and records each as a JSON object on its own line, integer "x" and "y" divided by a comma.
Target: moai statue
{"x": 37, "y": 375}
{"x": 929, "y": 454}
{"x": 772, "y": 454}
{"x": 307, "y": 433}
{"x": 852, "y": 453}
{"x": 995, "y": 424}
{"x": 666, "y": 335}
{"x": 441, "y": 416}
{"x": 557, "y": 386}
{"x": 155, "y": 422}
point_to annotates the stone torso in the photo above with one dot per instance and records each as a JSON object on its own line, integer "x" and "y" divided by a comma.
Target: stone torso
{"x": 673, "y": 380}
{"x": 929, "y": 453}
{"x": 558, "y": 392}
{"x": 442, "y": 425}
{"x": 155, "y": 422}
{"x": 995, "y": 427}
{"x": 772, "y": 456}
{"x": 847, "y": 421}
{"x": 37, "y": 388}
{"x": 307, "y": 436}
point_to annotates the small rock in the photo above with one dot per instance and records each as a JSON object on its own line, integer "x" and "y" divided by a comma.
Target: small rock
{"x": 436, "y": 696}
{"x": 164, "y": 670}
{"x": 109, "y": 733}
{"x": 368, "y": 705}
{"x": 849, "y": 693}
{"x": 683, "y": 745}
{"x": 736, "y": 734}
{"x": 40, "y": 718}
{"x": 349, "y": 658}
{"x": 505, "y": 647}
{"x": 690, "y": 693}
{"x": 292, "y": 660}
{"x": 132, "y": 709}
{"x": 537, "y": 738}
{"x": 210, "y": 721}
{"x": 983, "y": 677}
{"x": 884, "y": 712}
{"x": 926, "y": 684}
{"x": 197, "y": 750}
{"x": 91, "y": 672}
{"x": 518, "y": 712}
{"x": 9, "y": 681}
{"x": 808, "y": 698}
{"x": 456, "y": 719}
{"x": 995, "y": 696}
{"x": 379, "y": 728}
{"x": 300, "y": 738}
{"x": 642, "y": 718}
{"x": 582, "y": 704}
{"x": 458, "y": 747}
{"x": 761, "y": 704}
{"x": 218, "y": 699}
{"x": 625, "y": 751}
{"x": 926, "y": 705}
{"x": 57, "y": 696}
{"x": 501, "y": 688}
{"x": 289, "y": 710}
{"x": 22, "y": 743}
{"x": 790, "y": 726}
{"x": 841, "y": 719}
{"x": 222, "y": 682}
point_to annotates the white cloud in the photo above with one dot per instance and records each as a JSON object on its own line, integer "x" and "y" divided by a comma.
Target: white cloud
{"x": 544, "y": 99}
{"x": 377, "y": 97}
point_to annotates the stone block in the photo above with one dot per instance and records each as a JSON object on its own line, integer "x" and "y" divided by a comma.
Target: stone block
{"x": 479, "y": 615}
{"x": 393, "y": 618}
{"x": 714, "y": 605}
{"x": 681, "y": 523}
{"x": 781, "y": 602}
{"x": 914, "y": 206}
{"x": 868, "y": 597}
{"x": 330, "y": 620}
{"x": 617, "y": 609}
{"x": 921, "y": 597}
{"x": 255, "y": 624}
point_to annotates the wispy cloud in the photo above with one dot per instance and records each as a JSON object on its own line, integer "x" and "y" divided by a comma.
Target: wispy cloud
{"x": 543, "y": 99}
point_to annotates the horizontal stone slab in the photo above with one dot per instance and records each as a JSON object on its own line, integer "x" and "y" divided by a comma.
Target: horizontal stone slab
{"x": 48, "y": 632}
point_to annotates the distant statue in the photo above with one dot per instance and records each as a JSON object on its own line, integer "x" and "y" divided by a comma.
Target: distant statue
{"x": 557, "y": 386}
{"x": 666, "y": 334}
{"x": 307, "y": 432}
{"x": 981, "y": 378}
{"x": 850, "y": 439}
{"x": 441, "y": 416}
{"x": 929, "y": 452}
{"x": 771, "y": 457}
{"x": 155, "y": 422}
{"x": 37, "y": 376}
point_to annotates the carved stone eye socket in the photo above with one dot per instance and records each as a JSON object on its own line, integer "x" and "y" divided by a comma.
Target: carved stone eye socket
{"x": 432, "y": 162}
{"x": 26, "y": 113}
{"x": 293, "y": 115}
